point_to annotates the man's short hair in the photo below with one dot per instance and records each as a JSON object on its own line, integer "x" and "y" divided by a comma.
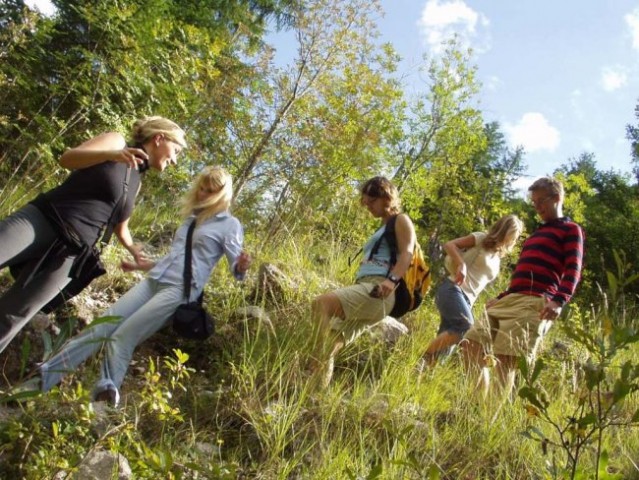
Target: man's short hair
{"x": 550, "y": 185}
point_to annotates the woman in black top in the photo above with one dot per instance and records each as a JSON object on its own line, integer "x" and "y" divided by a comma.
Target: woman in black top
{"x": 51, "y": 239}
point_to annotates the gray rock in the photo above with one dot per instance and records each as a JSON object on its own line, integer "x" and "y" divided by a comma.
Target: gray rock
{"x": 389, "y": 329}
{"x": 272, "y": 282}
{"x": 40, "y": 322}
{"x": 101, "y": 464}
{"x": 253, "y": 313}
{"x": 206, "y": 449}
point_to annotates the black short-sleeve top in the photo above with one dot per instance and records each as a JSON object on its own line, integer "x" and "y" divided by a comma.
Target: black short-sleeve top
{"x": 86, "y": 200}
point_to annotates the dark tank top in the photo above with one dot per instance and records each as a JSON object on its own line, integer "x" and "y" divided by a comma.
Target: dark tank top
{"x": 86, "y": 200}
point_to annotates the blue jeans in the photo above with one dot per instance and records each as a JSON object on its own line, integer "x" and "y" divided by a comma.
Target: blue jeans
{"x": 143, "y": 310}
{"x": 454, "y": 308}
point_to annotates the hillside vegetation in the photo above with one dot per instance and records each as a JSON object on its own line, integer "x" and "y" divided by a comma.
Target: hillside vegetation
{"x": 241, "y": 405}
{"x": 298, "y": 140}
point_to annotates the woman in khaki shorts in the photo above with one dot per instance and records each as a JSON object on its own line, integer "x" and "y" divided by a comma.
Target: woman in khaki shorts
{"x": 343, "y": 314}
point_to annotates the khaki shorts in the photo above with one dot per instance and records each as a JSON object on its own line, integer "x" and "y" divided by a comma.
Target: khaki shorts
{"x": 361, "y": 311}
{"x": 511, "y": 326}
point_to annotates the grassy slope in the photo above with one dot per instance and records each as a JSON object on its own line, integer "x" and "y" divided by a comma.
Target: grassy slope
{"x": 249, "y": 399}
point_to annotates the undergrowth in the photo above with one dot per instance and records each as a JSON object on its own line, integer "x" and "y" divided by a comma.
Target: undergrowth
{"x": 242, "y": 404}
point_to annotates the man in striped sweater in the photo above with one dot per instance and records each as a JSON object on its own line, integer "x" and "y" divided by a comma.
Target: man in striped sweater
{"x": 544, "y": 280}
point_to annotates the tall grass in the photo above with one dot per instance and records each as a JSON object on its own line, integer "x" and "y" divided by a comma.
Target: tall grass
{"x": 251, "y": 400}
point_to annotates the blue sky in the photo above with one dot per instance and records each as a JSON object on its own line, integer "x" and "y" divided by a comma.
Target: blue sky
{"x": 561, "y": 77}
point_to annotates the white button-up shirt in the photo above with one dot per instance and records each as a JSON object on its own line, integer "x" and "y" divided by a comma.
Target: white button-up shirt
{"x": 219, "y": 234}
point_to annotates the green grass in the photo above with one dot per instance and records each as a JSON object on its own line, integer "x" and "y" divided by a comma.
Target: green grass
{"x": 249, "y": 398}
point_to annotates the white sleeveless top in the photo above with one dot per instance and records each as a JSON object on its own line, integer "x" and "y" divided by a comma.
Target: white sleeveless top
{"x": 482, "y": 268}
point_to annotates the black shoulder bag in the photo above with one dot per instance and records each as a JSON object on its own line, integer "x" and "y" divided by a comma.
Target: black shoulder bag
{"x": 191, "y": 320}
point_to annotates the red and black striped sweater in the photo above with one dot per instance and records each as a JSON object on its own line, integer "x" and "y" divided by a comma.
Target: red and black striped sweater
{"x": 550, "y": 262}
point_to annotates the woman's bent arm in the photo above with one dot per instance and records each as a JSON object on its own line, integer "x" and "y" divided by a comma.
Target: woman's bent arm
{"x": 104, "y": 147}
{"x": 453, "y": 249}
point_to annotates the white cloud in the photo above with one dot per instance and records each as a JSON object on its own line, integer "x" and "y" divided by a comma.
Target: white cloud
{"x": 521, "y": 185}
{"x": 632, "y": 20}
{"x": 44, "y": 6}
{"x": 533, "y": 132}
{"x": 441, "y": 20}
{"x": 613, "y": 78}
{"x": 493, "y": 83}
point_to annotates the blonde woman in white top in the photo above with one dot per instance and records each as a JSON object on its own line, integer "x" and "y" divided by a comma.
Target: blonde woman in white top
{"x": 473, "y": 262}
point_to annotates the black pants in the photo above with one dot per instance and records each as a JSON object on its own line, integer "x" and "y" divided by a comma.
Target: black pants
{"x": 24, "y": 237}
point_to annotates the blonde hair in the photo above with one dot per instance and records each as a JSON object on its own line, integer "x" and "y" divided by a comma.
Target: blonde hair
{"x": 382, "y": 187}
{"x": 502, "y": 236}
{"x": 220, "y": 182}
{"x": 148, "y": 127}
{"x": 551, "y": 185}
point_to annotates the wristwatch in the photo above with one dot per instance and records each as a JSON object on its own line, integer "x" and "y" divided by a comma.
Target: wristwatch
{"x": 393, "y": 278}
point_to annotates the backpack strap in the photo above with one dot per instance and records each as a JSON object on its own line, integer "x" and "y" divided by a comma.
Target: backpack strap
{"x": 352, "y": 259}
{"x": 391, "y": 239}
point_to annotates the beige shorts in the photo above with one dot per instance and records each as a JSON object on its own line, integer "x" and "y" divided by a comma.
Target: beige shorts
{"x": 511, "y": 326}
{"x": 361, "y": 311}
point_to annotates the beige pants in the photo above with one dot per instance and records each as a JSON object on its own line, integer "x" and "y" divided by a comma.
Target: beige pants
{"x": 511, "y": 326}
{"x": 361, "y": 311}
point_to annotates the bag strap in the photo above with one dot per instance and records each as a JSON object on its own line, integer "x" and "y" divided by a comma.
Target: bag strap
{"x": 352, "y": 259}
{"x": 188, "y": 273}
{"x": 108, "y": 230}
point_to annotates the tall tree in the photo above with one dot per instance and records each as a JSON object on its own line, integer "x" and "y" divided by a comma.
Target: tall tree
{"x": 632, "y": 134}
{"x": 97, "y": 65}
{"x": 311, "y": 131}
{"x": 443, "y": 137}
{"x": 607, "y": 205}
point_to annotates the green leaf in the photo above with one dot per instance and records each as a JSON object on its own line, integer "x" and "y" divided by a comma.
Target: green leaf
{"x": 376, "y": 471}
{"x": 620, "y": 390}
{"x": 102, "y": 320}
{"x": 533, "y": 433}
{"x": 539, "y": 366}
{"x": 581, "y": 337}
{"x": 25, "y": 350}
{"x": 612, "y": 283}
{"x": 20, "y": 396}
{"x": 603, "y": 468}
{"x": 588, "y": 419}
{"x": 631, "y": 278}
{"x": 533, "y": 396}
{"x": 181, "y": 356}
{"x": 594, "y": 375}
{"x": 434, "y": 472}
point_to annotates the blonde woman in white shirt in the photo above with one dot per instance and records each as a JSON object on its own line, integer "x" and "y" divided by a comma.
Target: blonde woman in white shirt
{"x": 472, "y": 262}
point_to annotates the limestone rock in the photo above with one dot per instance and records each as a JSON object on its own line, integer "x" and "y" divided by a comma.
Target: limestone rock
{"x": 271, "y": 282}
{"x": 253, "y": 314}
{"x": 389, "y": 329}
{"x": 101, "y": 464}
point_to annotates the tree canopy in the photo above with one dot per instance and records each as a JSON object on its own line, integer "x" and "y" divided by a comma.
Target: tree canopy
{"x": 298, "y": 138}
